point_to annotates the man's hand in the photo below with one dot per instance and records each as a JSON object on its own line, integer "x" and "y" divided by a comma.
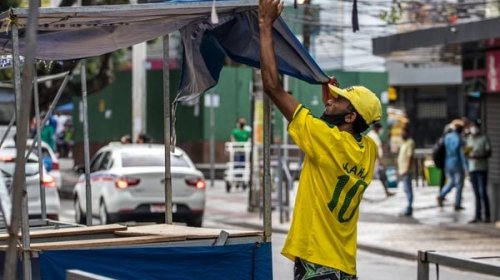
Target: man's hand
{"x": 326, "y": 91}
{"x": 269, "y": 11}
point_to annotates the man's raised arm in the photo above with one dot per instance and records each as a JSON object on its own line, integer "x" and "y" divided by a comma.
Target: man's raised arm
{"x": 269, "y": 10}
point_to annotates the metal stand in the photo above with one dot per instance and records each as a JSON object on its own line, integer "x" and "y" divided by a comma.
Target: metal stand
{"x": 426, "y": 257}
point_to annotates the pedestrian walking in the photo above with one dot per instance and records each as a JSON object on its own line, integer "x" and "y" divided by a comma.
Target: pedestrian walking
{"x": 439, "y": 156}
{"x": 405, "y": 163}
{"x": 126, "y": 139}
{"x": 338, "y": 165}
{"x": 48, "y": 135}
{"x": 240, "y": 134}
{"x": 455, "y": 164}
{"x": 478, "y": 150}
{"x": 143, "y": 138}
{"x": 379, "y": 172}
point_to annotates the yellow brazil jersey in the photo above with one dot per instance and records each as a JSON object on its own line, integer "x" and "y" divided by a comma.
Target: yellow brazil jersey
{"x": 337, "y": 170}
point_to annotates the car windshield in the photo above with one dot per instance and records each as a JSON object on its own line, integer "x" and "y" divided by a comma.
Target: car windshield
{"x": 150, "y": 159}
{"x": 8, "y": 168}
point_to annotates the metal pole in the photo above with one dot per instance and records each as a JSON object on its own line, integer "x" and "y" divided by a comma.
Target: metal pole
{"x": 166, "y": 127}
{"x": 138, "y": 90}
{"x": 252, "y": 143}
{"x": 286, "y": 87}
{"x": 254, "y": 196}
{"x": 473, "y": 264}
{"x": 422, "y": 266}
{"x": 342, "y": 35}
{"x": 23, "y": 104}
{"x": 281, "y": 163}
{"x": 11, "y": 254}
{"x": 267, "y": 169}
{"x": 39, "y": 146}
{"x": 212, "y": 139}
{"x": 86, "y": 152}
{"x": 51, "y": 108}
{"x": 495, "y": 199}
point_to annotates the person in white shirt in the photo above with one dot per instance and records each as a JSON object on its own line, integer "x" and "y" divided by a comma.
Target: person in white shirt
{"x": 379, "y": 172}
{"x": 405, "y": 160}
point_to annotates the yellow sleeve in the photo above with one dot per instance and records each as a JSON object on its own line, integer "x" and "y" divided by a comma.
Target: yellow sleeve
{"x": 312, "y": 135}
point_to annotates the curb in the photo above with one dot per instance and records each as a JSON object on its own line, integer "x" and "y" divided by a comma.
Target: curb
{"x": 361, "y": 246}
{"x": 387, "y": 252}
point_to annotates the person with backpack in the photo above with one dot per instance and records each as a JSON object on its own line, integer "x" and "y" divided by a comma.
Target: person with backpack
{"x": 455, "y": 164}
{"x": 439, "y": 156}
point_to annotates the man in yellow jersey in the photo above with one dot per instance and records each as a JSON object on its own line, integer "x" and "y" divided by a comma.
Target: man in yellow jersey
{"x": 338, "y": 166}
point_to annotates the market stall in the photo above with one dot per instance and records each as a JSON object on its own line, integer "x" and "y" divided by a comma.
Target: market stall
{"x": 80, "y": 32}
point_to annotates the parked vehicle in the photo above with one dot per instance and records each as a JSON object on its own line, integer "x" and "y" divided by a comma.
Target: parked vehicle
{"x": 127, "y": 184}
{"x": 50, "y": 160}
{"x": 52, "y": 202}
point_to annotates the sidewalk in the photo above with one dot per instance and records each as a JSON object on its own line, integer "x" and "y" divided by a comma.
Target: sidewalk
{"x": 380, "y": 229}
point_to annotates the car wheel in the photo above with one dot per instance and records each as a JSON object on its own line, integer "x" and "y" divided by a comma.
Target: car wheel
{"x": 103, "y": 214}
{"x": 79, "y": 215}
{"x": 195, "y": 222}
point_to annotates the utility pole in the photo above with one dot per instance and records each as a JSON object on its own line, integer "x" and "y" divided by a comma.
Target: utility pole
{"x": 306, "y": 27}
{"x": 257, "y": 141}
{"x": 139, "y": 92}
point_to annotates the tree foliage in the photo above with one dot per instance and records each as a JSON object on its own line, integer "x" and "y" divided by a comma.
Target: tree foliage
{"x": 100, "y": 70}
{"x": 7, "y": 4}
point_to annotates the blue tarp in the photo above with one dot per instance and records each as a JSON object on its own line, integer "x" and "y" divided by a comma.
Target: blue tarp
{"x": 72, "y": 33}
{"x": 239, "y": 262}
{"x": 237, "y": 36}
{"x": 64, "y": 108}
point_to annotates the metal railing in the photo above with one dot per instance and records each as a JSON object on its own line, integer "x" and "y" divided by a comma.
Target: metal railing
{"x": 285, "y": 178}
{"x": 473, "y": 264}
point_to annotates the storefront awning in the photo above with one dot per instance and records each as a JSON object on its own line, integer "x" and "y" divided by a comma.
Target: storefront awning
{"x": 452, "y": 34}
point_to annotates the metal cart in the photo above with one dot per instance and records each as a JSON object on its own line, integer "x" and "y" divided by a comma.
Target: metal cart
{"x": 237, "y": 173}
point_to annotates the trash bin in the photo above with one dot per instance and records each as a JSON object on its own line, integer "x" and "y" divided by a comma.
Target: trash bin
{"x": 433, "y": 175}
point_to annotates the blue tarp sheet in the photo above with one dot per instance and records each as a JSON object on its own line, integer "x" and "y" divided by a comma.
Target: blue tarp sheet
{"x": 65, "y": 108}
{"x": 71, "y": 33}
{"x": 237, "y": 36}
{"x": 242, "y": 261}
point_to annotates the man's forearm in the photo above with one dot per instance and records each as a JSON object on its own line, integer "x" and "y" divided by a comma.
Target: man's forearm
{"x": 268, "y": 65}
{"x": 270, "y": 79}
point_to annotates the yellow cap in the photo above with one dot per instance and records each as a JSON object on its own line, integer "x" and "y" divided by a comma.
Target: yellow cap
{"x": 362, "y": 99}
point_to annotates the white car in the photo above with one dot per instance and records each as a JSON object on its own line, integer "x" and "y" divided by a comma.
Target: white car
{"x": 53, "y": 168}
{"x": 127, "y": 184}
{"x": 52, "y": 202}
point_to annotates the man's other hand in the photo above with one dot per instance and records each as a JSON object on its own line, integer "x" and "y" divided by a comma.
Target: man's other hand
{"x": 269, "y": 11}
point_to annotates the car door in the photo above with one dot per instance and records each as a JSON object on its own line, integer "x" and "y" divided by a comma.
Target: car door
{"x": 80, "y": 188}
{"x": 100, "y": 178}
